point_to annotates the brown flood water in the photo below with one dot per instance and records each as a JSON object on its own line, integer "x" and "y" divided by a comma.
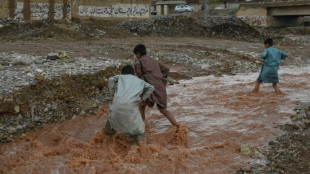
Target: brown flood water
{"x": 218, "y": 114}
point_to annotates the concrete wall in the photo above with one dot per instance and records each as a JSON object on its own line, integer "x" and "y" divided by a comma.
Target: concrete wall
{"x": 289, "y": 11}
{"x": 111, "y": 8}
{"x": 227, "y": 6}
{"x": 274, "y": 14}
{"x": 285, "y": 21}
{"x": 170, "y": 8}
{"x": 41, "y": 9}
{"x": 245, "y": 10}
{"x": 196, "y": 7}
{"x": 4, "y": 9}
{"x": 253, "y": 15}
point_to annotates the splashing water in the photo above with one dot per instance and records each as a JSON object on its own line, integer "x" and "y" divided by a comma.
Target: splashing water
{"x": 218, "y": 115}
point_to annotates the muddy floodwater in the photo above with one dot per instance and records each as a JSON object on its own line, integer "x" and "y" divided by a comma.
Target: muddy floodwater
{"x": 218, "y": 115}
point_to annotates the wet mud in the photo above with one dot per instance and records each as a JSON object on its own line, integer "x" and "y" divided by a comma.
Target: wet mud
{"x": 218, "y": 115}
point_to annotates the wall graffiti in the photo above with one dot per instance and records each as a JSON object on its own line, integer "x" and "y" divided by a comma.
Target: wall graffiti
{"x": 254, "y": 20}
{"x": 121, "y": 10}
{"x": 40, "y": 11}
{"x": 128, "y": 10}
{"x": 95, "y": 11}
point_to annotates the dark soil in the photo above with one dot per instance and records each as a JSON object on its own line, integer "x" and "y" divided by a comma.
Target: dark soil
{"x": 215, "y": 27}
{"x": 290, "y": 153}
{"x": 66, "y": 97}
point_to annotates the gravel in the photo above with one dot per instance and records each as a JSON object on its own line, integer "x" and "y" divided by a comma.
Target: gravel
{"x": 19, "y": 70}
{"x": 36, "y": 91}
{"x": 290, "y": 152}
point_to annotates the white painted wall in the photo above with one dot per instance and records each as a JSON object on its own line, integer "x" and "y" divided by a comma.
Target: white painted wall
{"x": 95, "y": 11}
{"x": 119, "y": 10}
{"x": 40, "y": 11}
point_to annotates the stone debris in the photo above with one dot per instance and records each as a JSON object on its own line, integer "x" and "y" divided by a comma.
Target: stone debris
{"x": 32, "y": 68}
{"x": 218, "y": 27}
{"x": 48, "y": 29}
{"x": 140, "y": 27}
{"x": 63, "y": 55}
{"x": 52, "y": 56}
{"x": 245, "y": 149}
{"x": 38, "y": 77}
{"x": 16, "y": 109}
{"x": 72, "y": 87}
{"x": 290, "y": 152}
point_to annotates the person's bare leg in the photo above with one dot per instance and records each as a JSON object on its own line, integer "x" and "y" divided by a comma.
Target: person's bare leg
{"x": 276, "y": 89}
{"x": 140, "y": 139}
{"x": 140, "y": 142}
{"x": 256, "y": 87}
{"x": 170, "y": 117}
{"x": 142, "y": 107}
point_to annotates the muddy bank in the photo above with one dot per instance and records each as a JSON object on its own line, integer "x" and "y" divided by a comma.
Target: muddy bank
{"x": 52, "y": 100}
{"x": 288, "y": 153}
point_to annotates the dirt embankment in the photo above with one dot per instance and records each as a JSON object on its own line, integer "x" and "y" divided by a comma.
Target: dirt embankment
{"x": 288, "y": 153}
{"x": 215, "y": 27}
{"x": 53, "y": 100}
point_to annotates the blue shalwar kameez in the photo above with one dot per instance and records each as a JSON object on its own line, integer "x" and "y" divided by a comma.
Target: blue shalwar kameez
{"x": 270, "y": 66}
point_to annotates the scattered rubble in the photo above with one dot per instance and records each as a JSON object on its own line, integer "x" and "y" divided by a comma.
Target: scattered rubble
{"x": 289, "y": 153}
{"x": 52, "y": 100}
{"x": 140, "y": 27}
{"x": 217, "y": 27}
{"x": 49, "y": 29}
{"x": 19, "y": 70}
{"x": 36, "y": 90}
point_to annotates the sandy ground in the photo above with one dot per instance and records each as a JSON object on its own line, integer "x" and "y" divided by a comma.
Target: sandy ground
{"x": 218, "y": 115}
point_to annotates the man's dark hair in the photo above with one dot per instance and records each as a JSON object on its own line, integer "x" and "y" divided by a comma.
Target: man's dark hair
{"x": 269, "y": 42}
{"x": 128, "y": 70}
{"x": 140, "y": 49}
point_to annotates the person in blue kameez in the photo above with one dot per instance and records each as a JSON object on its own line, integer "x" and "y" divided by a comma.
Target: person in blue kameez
{"x": 270, "y": 66}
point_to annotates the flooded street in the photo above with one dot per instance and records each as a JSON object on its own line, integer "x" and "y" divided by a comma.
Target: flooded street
{"x": 56, "y": 58}
{"x": 218, "y": 115}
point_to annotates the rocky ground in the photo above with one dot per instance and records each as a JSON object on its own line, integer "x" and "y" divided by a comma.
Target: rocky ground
{"x": 288, "y": 153}
{"x": 36, "y": 90}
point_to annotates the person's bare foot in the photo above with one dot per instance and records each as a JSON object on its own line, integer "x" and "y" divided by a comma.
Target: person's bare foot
{"x": 278, "y": 92}
{"x": 254, "y": 91}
